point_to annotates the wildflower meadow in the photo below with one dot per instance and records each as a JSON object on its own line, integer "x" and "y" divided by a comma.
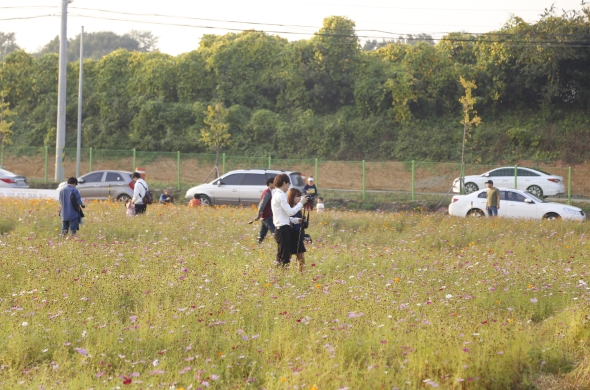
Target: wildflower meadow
{"x": 187, "y": 299}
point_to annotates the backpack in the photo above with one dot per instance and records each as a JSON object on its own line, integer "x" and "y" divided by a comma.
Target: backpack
{"x": 147, "y": 198}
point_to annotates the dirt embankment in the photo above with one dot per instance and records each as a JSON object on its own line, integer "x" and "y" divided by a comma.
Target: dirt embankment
{"x": 392, "y": 176}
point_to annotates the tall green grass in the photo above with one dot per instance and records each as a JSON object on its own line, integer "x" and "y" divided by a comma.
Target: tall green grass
{"x": 183, "y": 297}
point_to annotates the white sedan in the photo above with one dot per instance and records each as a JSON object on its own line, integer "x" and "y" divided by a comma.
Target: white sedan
{"x": 513, "y": 204}
{"x": 536, "y": 182}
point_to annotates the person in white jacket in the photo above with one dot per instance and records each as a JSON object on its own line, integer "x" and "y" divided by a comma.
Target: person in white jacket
{"x": 281, "y": 214}
{"x": 139, "y": 192}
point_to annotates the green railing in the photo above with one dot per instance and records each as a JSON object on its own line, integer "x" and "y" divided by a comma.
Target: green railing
{"x": 416, "y": 179}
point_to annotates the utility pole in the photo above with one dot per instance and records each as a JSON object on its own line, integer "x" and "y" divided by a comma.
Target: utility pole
{"x": 60, "y": 140}
{"x": 79, "y": 143}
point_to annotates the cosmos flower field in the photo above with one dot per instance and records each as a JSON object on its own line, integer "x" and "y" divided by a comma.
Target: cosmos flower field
{"x": 187, "y": 299}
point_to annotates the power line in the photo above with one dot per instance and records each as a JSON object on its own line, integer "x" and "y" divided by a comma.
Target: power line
{"x": 402, "y": 8}
{"x": 28, "y": 17}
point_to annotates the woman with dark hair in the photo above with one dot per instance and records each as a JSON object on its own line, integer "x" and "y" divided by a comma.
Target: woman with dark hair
{"x": 282, "y": 214}
{"x": 297, "y": 231}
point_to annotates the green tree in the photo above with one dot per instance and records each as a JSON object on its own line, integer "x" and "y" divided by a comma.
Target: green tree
{"x": 7, "y": 44}
{"x": 5, "y": 125}
{"x": 216, "y": 135}
{"x": 469, "y": 119}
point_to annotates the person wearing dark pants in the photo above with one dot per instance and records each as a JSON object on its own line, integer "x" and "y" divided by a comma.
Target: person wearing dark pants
{"x": 139, "y": 191}
{"x": 265, "y": 211}
{"x": 493, "y": 199}
{"x": 70, "y": 202}
{"x": 282, "y": 212}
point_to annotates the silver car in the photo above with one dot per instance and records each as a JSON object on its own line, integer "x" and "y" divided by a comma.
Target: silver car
{"x": 10, "y": 180}
{"x": 115, "y": 185}
{"x": 240, "y": 187}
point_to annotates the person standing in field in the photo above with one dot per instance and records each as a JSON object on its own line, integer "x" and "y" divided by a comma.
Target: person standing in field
{"x": 311, "y": 189}
{"x": 493, "y": 199}
{"x": 297, "y": 229}
{"x": 265, "y": 211}
{"x": 282, "y": 212}
{"x": 70, "y": 202}
{"x": 320, "y": 205}
{"x": 139, "y": 191}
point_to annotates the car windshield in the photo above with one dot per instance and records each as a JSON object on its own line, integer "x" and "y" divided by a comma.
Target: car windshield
{"x": 536, "y": 199}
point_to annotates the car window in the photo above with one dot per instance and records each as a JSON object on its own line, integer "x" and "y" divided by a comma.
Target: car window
{"x": 483, "y": 195}
{"x": 296, "y": 179}
{"x": 254, "y": 179}
{"x": 94, "y": 177}
{"x": 502, "y": 195}
{"x": 114, "y": 176}
{"x": 271, "y": 175}
{"x": 514, "y": 196}
{"x": 232, "y": 180}
{"x": 526, "y": 172}
{"x": 503, "y": 172}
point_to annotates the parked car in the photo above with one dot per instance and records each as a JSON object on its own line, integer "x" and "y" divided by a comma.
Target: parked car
{"x": 514, "y": 204}
{"x": 240, "y": 187}
{"x": 11, "y": 180}
{"x": 105, "y": 185}
{"x": 536, "y": 182}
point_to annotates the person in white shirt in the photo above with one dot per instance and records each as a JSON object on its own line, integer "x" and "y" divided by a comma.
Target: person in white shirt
{"x": 139, "y": 192}
{"x": 320, "y": 206}
{"x": 281, "y": 213}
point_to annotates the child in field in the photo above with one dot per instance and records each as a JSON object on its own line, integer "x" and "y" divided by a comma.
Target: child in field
{"x": 130, "y": 208}
{"x": 320, "y": 205}
{"x": 195, "y": 202}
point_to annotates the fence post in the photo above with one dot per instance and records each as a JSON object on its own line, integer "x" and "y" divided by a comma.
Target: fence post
{"x": 569, "y": 186}
{"x": 364, "y": 194}
{"x": 134, "y": 160}
{"x": 46, "y": 161}
{"x": 223, "y": 164}
{"x": 413, "y": 171}
{"x": 515, "y": 176}
{"x": 178, "y": 164}
{"x": 90, "y": 167}
{"x": 268, "y": 162}
{"x": 316, "y": 171}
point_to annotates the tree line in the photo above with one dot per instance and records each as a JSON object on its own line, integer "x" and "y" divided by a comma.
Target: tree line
{"x": 326, "y": 97}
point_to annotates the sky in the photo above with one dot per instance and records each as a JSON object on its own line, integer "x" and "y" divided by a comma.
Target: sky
{"x": 184, "y": 22}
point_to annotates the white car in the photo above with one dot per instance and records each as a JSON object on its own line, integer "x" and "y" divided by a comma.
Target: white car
{"x": 10, "y": 180}
{"x": 513, "y": 204}
{"x": 239, "y": 187}
{"x": 534, "y": 181}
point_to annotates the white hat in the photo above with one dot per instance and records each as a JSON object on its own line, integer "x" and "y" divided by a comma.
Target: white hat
{"x": 310, "y": 178}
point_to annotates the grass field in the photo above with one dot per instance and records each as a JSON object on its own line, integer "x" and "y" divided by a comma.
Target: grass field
{"x": 185, "y": 298}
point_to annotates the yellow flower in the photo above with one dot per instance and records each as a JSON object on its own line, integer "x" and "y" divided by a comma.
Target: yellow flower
{"x": 283, "y": 379}
{"x": 530, "y": 286}
{"x": 396, "y": 280}
{"x": 318, "y": 285}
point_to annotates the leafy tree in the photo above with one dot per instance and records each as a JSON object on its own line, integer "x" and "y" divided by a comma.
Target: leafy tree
{"x": 5, "y": 125}
{"x": 98, "y": 44}
{"x": 469, "y": 118}
{"x": 7, "y": 44}
{"x": 216, "y": 135}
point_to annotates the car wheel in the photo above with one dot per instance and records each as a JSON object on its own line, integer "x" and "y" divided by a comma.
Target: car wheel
{"x": 551, "y": 216}
{"x": 470, "y": 187}
{"x": 535, "y": 190}
{"x": 205, "y": 200}
{"x": 123, "y": 198}
{"x": 475, "y": 213}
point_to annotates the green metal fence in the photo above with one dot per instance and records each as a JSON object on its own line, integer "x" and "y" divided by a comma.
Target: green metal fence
{"x": 415, "y": 180}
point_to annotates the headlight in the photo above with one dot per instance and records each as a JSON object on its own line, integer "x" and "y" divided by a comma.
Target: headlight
{"x": 571, "y": 211}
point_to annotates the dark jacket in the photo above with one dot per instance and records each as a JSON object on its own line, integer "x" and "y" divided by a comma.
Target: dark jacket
{"x": 70, "y": 201}
{"x": 264, "y": 206}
